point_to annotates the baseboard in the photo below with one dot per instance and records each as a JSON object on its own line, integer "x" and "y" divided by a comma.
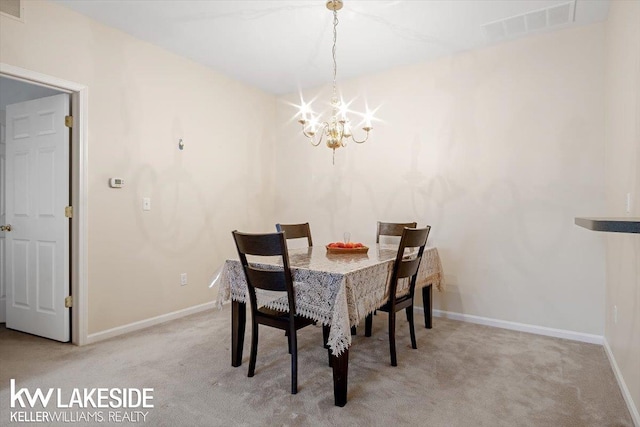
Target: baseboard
{"x": 623, "y": 386}
{"x": 142, "y": 324}
{"x": 522, "y": 327}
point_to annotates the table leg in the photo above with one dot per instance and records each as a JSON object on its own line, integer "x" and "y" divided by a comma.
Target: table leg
{"x": 238, "y": 322}
{"x": 326, "y": 330}
{"x": 340, "y": 373}
{"x": 427, "y": 303}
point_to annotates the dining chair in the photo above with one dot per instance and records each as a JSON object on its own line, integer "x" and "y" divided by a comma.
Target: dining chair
{"x": 269, "y": 245}
{"x": 296, "y": 231}
{"x": 299, "y": 231}
{"x": 405, "y": 267}
{"x": 392, "y": 229}
{"x": 395, "y": 229}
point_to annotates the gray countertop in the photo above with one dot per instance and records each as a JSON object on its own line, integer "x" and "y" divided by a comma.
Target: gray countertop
{"x": 616, "y": 225}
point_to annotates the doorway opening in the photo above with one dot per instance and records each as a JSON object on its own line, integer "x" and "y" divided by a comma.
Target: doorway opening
{"x": 78, "y": 186}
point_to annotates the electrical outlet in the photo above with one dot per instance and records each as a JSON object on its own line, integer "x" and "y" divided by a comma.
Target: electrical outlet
{"x": 146, "y": 204}
{"x": 615, "y": 314}
{"x": 183, "y": 279}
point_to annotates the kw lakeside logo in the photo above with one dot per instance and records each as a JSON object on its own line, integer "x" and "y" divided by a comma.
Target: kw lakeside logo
{"x": 80, "y": 405}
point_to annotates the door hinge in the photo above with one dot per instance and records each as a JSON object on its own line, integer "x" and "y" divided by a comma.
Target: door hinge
{"x": 68, "y": 211}
{"x": 68, "y": 302}
{"x": 68, "y": 121}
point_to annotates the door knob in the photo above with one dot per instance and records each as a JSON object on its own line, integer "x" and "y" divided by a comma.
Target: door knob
{"x": 5, "y": 227}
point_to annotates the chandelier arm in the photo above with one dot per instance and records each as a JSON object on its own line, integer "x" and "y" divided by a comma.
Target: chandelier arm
{"x": 312, "y": 135}
{"x": 321, "y": 132}
{"x": 315, "y": 144}
{"x": 305, "y": 133}
{"x": 308, "y": 135}
{"x": 362, "y": 141}
{"x": 312, "y": 138}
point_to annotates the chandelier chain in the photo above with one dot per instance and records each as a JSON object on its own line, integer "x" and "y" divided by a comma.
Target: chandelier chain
{"x": 335, "y": 39}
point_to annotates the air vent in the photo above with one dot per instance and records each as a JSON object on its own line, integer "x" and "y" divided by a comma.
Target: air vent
{"x": 515, "y": 26}
{"x": 537, "y": 20}
{"x": 12, "y": 8}
{"x": 560, "y": 15}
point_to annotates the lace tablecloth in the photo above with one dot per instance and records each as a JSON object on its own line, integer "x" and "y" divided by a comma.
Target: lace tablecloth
{"x": 335, "y": 289}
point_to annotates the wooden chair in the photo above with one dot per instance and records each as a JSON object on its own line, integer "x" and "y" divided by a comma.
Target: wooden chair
{"x": 392, "y": 229}
{"x": 395, "y": 229}
{"x": 273, "y": 244}
{"x": 299, "y": 231}
{"x": 404, "y": 267}
{"x": 388, "y": 229}
{"x": 296, "y": 231}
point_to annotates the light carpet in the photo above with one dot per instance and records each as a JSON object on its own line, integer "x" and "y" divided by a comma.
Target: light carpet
{"x": 462, "y": 374}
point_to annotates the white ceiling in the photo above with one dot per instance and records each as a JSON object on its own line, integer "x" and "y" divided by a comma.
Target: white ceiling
{"x": 283, "y": 46}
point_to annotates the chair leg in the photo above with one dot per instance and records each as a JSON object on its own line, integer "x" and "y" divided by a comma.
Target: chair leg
{"x": 412, "y": 329}
{"x": 254, "y": 349}
{"x": 294, "y": 361}
{"x": 286, "y": 334}
{"x": 392, "y": 337}
{"x": 325, "y": 336}
{"x": 368, "y": 323}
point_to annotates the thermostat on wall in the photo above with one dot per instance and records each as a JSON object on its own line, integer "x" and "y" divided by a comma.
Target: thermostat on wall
{"x": 116, "y": 182}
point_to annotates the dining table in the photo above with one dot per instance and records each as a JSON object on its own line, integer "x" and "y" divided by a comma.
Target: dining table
{"x": 337, "y": 290}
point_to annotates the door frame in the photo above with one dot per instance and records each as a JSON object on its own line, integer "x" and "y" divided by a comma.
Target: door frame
{"x": 79, "y": 190}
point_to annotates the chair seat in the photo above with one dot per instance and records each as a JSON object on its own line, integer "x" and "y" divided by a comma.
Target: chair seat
{"x": 401, "y": 302}
{"x": 280, "y": 319}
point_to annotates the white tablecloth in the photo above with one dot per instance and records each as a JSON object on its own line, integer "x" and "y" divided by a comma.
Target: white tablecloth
{"x": 335, "y": 289}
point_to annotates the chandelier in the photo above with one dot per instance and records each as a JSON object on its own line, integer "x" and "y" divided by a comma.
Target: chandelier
{"x": 336, "y": 130}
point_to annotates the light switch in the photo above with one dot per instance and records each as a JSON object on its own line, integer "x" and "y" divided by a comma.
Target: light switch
{"x": 146, "y": 203}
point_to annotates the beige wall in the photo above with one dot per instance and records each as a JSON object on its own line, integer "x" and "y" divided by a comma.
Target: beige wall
{"x": 141, "y": 101}
{"x": 623, "y": 176}
{"x": 498, "y": 150}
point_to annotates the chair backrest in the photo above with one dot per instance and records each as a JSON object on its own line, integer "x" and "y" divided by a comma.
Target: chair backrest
{"x": 265, "y": 245}
{"x": 406, "y": 266}
{"x": 392, "y": 229}
{"x": 296, "y": 231}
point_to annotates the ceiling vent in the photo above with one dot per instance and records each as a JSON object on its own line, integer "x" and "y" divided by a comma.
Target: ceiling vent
{"x": 538, "y": 20}
{"x": 13, "y": 9}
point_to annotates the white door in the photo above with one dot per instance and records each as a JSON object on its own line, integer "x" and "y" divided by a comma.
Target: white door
{"x": 3, "y": 286}
{"x": 37, "y": 192}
